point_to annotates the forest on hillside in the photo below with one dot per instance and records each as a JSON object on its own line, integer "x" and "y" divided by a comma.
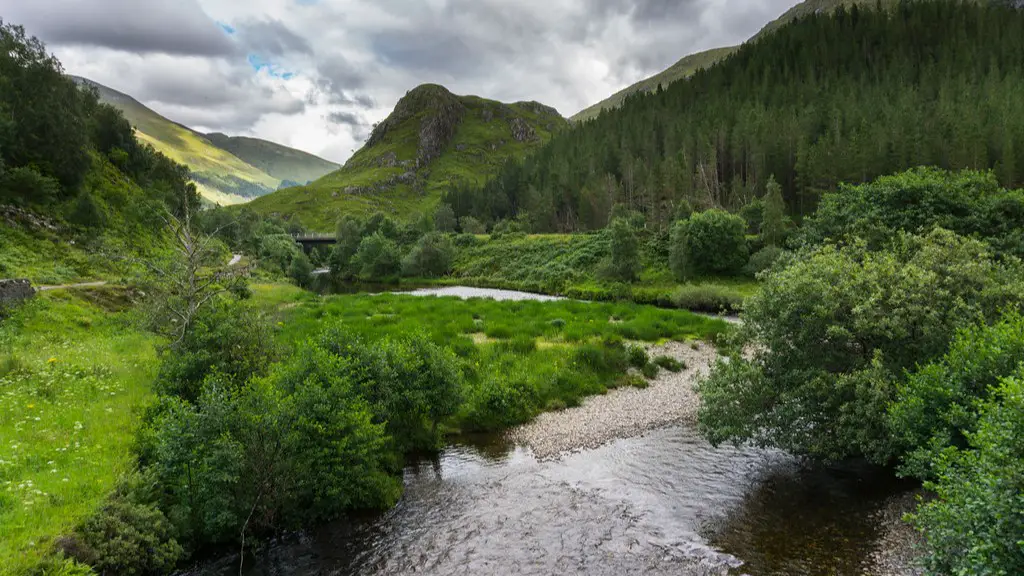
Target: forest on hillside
{"x": 831, "y": 98}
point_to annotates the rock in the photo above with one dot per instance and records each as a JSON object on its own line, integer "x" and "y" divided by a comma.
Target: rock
{"x": 13, "y": 291}
{"x": 387, "y": 160}
{"x": 18, "y": 217}
{"x": 521, "y": 130}
{"x": 487, "y": 115}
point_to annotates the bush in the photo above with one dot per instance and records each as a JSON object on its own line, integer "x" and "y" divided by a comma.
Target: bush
{"x": 650, "y": 370}
{"x": 669, "y": 363}
{"x": 25, "y": 185}
{"x": 712, "y": 242}
{"x": 637, "y": 356}
{"x": 431, "y": 256}
{"x": 377, "y": 258}
{"x": 707, "y": 298}
{"x": 975, "y": 524}
{"x": 471, "y": 225}
{"x": 936, "y": 407}
{"x": 228, "y": 339}
{"x": 764, "y": 259}
{"x": 832, "y": 332}
{"x": 501, "y": 400}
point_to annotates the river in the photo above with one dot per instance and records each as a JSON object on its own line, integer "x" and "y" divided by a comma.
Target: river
{"x": 665, "y": 503}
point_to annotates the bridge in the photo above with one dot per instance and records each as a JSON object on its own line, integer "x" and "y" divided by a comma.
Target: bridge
{"x": 310, "y": 240}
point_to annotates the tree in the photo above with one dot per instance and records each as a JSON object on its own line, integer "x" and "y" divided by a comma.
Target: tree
{"x": 431, "y": 256}
{"x": 377, "y": 258}
{"x": 625, "y": 250}
{"x": 711, "y": 242}
{"x": 831, "y": 334}
{"x": 773, "y": 227}
{"x": 301, "y": 269}
{"x": 444, "y": 218}
{"x": 471, "y": 225}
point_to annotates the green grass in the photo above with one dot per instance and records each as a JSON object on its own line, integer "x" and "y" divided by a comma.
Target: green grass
{"x": 481, "y": 143}
{"x": 74, "y": 378}
{"x": 520, "y": 358}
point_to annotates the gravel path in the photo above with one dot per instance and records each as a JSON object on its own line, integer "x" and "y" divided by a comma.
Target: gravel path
{"x": 624, "y": 412}
{"x": 898, "y": 544}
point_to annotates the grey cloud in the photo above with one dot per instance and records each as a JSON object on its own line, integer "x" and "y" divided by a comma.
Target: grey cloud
{"x": 140, "y": 26}
{"x": 345, "y": 118}
{"x": 272, "y": 38}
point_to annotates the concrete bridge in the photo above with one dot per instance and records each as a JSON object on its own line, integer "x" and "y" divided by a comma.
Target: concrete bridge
{"x": 310, "y": 240}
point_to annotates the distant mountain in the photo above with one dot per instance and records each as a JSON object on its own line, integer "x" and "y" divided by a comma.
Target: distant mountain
{"x": 432, "y": 140}
{"x": 226, "y": 170}
{"x": 688, "y": 65}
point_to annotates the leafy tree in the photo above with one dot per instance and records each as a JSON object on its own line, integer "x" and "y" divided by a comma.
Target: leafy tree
{"x": 301, "y": 269}
{"x": 683, "y": 211}
{"x": 773, "y": 227}
{"x": 431, "y": 256}
{"x": 25, "y": 185}
{"x": 276, "y": 251}
{"x": 444, "y": 218}
{"x": 975, "y": 524}
{"x": 831, "y": 334}
{"x": 711, "y": 242}
{"x": 348, "y": 235}
{"x": 625, "y": 250}
{"x": 471, "y": 225}
{"x": 936, "y": 407}
{"x": 377, "y": 258}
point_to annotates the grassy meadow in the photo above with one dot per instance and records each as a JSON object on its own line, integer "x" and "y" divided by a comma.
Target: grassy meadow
{"x": 74, "y": 378}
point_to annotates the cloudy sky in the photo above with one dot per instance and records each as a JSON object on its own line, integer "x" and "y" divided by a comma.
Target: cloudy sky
{"x": 315, "y": 74}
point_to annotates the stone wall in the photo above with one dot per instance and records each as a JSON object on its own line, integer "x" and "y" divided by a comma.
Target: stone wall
{"x": 12, "y": 291}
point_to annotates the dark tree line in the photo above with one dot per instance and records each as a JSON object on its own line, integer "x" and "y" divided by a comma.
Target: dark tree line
{"x": 830, "y": 98}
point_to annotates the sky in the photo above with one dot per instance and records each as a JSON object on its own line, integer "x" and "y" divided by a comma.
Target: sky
{"x": 316, "y": 74}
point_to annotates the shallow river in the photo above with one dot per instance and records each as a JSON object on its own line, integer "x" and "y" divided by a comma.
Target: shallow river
{"x": 664, "y": 503}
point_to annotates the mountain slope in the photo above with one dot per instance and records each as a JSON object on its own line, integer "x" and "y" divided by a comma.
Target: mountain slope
{"x": 279, "y": 161}
{"x": 688, "y": 65}
{"x": 221, "y": 176}
{"x": 432, "y": 140}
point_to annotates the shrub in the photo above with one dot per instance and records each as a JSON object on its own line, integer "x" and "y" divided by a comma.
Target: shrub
{"x": 669, "y": 363}
{"x": 229, "y": 339}
{"x": 975, "y": 524}
{"x": 707, "y": 298}
{"x": 431, "y": 256}
{"x": 832, "y": 331}
{"x": 631, "y": 381}
{"x": 650, "y": 370}
{"x": 711, "y": 242}
{"x": 471, "y": 225}
{"x": 25, "y": 185}
{"x": 377, "y": 258}
{"x": 764, "y": 259}
{"x": 637, "y": 356}
{"x": 127, "y": 537}
{"x": 501, "y": 400}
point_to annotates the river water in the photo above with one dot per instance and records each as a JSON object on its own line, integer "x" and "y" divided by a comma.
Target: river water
{"x": 666, "y": 503}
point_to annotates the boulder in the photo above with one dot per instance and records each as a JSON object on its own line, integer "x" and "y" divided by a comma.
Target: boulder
{"x": 13, "y": 291}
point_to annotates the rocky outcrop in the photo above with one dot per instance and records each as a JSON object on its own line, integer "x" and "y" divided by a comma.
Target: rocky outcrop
{"x": 13, "y": 291}
{"x": 409, "y": 178}
{"x": 521, "y": 130}
{"x": 438, "y": 129}
{"x": 13, "y": 216}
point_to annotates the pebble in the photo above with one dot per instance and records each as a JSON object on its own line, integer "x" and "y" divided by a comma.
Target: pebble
{"x": 624, "y": 412}
{"x": 898, "y": 546}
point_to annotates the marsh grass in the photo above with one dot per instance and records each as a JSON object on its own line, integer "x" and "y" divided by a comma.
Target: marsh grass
{"x": 520, "y": 358}
{"x": 74, "y": 379}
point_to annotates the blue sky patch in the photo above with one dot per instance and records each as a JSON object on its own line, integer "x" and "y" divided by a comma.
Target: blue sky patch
{"x": 227, "y": 28}
{"x": 260, "y": 64}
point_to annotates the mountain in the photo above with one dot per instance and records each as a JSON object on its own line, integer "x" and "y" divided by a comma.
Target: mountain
{"x": 833, "y": 97}
{"x": 431, "y": 141}
{"x": 226, "y": 170}
{"x": 688, "y": 65}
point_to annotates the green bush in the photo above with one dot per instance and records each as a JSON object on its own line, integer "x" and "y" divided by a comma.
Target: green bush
{"x": 501, "y": 401}
{"x": 432, "y": 256}
{"x": 937, "y": 405}
{"x": 711, "y": 242}
{"x": 833, "y": 332}
{"x": 471, "y": 226}
{"x": 637, "y": 356}
{"x": 25, "y": 185}
{"x": 229, "y": 339}
{"x": 764, "y": 259}
{"x": 669, "y": 363}
{"x": 650, "y": 370}
{"x": 707, "y": 298}
{"x": 976, "y": 523}
{"x": 625, "y": 251}
{"x": 377, "y": 258}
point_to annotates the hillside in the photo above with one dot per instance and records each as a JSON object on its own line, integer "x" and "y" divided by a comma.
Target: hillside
{"x": 432, "y": 140}
{"x": 813, "y": 104}
{"x": 279, "y": 161}
{"x": 688, "y": 65}
{"x": 219, "y": 170}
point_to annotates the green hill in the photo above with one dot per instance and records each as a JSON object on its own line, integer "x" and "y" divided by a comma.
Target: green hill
{"x": 688, "y": 65}
{"x": 432, "y": 140}
{"x": 226, "y": 170}
{"x": 274, "y": 159}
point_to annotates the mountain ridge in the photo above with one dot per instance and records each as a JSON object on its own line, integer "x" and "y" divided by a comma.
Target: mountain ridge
{"x": 226, "y": 170}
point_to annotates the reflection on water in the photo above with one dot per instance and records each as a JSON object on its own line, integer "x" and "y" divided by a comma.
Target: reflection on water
{"x": 663, "y": 503}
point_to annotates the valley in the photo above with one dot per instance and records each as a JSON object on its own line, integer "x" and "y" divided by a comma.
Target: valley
{"x": 762, "y": 313}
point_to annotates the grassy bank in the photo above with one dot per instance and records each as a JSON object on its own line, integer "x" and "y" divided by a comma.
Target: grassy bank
{"x": 74, "y": 378}
{"x": 520, "y": 358}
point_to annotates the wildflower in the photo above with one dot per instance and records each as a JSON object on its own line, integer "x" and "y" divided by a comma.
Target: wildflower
{"x": 52, "y": 360}
{"x": 30, "y": 406}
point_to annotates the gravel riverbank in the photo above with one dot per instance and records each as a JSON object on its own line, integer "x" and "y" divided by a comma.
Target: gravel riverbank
{"x": 624, "y": 412}
{"x": 898, "y": 545}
